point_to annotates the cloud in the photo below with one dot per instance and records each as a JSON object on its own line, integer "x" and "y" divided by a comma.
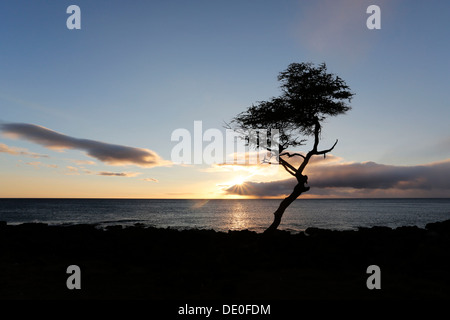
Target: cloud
{"x": 82, "y": 162}
{"x": 34, "y": 164}
{"x": 20, "y": 152}
{"x": 71, "y": 171}
{"x": 118, "y": 174}
{"x": 366, "y": 178}
{"x": 263, "y": 189}
{"x": 38, "y": 164}
{"x": 109, "y": 153}
{"x": 371, "y": 175}
{"x": 150, "y": 180}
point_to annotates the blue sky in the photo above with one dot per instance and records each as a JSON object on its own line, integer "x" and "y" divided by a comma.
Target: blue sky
{"x": 137, "y": 70}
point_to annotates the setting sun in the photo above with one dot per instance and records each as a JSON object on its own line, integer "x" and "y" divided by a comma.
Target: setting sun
{"x": 239, "y": 181}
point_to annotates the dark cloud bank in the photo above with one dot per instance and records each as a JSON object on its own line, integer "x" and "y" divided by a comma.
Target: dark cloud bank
{"x": 367, "y": 176}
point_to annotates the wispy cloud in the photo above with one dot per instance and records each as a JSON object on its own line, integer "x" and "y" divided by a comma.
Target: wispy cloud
{"x": 108, "y": 153}
{"x": 82, "y": 162}
{"x": 366, "y": 178}
{"x": 118, "y": 174}
{"x": 71, "y": 171}
{"x": 150, "y": 180}
{"x": 35, "y": 164}
{"x": 20, "y": 152}
{"x": 40, "y": 164}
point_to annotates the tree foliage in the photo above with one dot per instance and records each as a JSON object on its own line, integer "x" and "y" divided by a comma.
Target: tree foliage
{"x": 309, "y": 95}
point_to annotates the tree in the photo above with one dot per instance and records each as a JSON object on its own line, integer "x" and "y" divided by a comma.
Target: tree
{"x": 309, "y": 96}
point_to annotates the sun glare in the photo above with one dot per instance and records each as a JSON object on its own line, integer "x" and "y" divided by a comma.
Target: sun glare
{"x": 239, "y": 181}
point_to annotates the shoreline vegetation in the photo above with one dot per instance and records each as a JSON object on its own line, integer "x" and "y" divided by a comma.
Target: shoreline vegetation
{"x": 140, "y": 262}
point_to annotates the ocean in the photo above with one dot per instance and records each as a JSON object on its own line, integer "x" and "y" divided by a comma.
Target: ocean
{"x": 224, "y": 215}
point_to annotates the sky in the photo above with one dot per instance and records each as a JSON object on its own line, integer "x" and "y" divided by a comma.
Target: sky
{"x": 92, "y": 112}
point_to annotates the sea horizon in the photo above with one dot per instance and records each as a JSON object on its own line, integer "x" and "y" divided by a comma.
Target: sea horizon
{"x": 118, "y": 198}
{"x": 227, "y": 214}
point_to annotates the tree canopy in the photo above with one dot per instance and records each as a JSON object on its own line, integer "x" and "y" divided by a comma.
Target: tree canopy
{"x": 309, "y": 95}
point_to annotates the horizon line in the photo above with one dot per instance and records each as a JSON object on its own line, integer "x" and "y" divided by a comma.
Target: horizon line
{"x": 124, "y": 198}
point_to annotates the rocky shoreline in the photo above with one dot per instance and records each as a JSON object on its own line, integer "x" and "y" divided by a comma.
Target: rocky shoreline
{"x": 158, "y": 264}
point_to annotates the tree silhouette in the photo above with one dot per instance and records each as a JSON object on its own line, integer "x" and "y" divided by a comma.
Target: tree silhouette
{"x": 309, "y": 96}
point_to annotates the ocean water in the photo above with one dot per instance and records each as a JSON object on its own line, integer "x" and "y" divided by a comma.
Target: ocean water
{"x": 224, "y": 215}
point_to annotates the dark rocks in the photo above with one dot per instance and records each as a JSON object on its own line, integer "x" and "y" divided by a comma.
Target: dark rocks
{"x": 442, "y": 228}
{"x": 153, "y": 263}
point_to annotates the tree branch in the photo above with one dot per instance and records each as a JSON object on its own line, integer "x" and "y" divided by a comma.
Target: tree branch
{"x": 290, "y": 155}
{"x": 316, "y": 135}
{"x": 328, "y": 150}
{"x": 288, "y": 170}
{"x": 287, "y": 165}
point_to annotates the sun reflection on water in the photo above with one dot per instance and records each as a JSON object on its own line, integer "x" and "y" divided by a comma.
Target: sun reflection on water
{"x": 239, "y": 218}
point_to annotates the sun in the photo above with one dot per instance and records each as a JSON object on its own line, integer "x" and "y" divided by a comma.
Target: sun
{"x": 238, "y": 186}
{"x": 238, "y": 181}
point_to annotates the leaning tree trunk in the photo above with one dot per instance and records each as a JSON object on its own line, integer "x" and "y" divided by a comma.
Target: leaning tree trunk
{"x": 302, "y": 180}
{"x": 298, "y": 190}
